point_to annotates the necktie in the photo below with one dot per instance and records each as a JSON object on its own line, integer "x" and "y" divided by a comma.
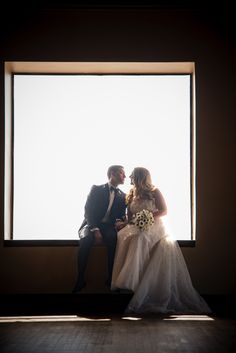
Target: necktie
{"x": 113, "y": 189}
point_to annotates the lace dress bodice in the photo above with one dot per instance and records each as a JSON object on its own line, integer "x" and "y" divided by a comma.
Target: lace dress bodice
{"x": 142, "y": 204}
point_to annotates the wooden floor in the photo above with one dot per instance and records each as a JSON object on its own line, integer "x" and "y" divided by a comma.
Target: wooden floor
{"x": 95, "y": 324}
{"x": 115, "y": 334}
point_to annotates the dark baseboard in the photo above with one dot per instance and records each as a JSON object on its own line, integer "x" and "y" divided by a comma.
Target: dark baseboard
{"x": 222, "y": 305}
{"x": 63, "y": 304}
{"x": 92, "y": 304}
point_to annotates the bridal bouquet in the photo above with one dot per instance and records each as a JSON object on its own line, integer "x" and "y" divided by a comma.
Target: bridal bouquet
{"x": 143, "y": 219}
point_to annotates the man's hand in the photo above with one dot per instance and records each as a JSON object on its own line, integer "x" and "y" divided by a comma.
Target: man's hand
{"x": 120, "y": 224}
{"x": 97, "y": 237}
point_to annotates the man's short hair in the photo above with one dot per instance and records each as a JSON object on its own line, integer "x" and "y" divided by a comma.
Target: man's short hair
{"x": 113, "y": 169}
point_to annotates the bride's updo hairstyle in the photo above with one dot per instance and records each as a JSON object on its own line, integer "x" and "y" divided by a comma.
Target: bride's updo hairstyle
{"x": 143, "y": 187}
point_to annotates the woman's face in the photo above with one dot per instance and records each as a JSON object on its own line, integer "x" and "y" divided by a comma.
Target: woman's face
{"x": 132, "y": 178}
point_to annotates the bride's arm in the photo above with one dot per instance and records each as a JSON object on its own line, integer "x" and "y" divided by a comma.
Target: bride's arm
{"x": 161, "y": 209}
{"x": 129, "y": 214}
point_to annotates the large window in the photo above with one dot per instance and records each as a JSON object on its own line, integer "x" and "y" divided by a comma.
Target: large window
{"x": 67, "y": 129}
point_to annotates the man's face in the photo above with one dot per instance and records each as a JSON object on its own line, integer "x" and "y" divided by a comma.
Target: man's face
{"x": 119, "y": 176}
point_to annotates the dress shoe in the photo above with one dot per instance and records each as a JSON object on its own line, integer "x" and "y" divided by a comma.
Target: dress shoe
{"x": 78, "y": 287}
{"x": 108, "y": 283}
{"x": 115, "y": 290}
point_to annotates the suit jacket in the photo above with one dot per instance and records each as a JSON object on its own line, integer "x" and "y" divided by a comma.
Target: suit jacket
{"x": 97, "y": 203}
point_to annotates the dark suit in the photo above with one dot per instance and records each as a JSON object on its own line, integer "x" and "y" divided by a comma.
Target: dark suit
{"x": 95, "y": 210}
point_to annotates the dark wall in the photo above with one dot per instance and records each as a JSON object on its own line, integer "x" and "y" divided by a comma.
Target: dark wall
{"x": 128, "y": 34}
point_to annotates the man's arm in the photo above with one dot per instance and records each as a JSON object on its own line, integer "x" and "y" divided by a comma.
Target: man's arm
{"x": 90, "y": 211}
{"x": 90, "y": 207}
{"x": 121, "y": 220}
{"x": 123, "y": 208}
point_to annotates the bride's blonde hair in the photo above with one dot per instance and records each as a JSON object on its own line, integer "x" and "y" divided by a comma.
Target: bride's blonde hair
{"x": 143, "y": 187}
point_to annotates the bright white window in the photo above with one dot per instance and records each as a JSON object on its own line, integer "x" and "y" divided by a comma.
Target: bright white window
{"x": 68, "y": 129}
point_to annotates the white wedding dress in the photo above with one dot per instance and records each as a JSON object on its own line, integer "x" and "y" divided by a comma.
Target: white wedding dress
{"x": 150, "y": 263}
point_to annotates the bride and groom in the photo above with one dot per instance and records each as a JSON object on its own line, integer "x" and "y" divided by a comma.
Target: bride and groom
{"x": 142, "y": 256}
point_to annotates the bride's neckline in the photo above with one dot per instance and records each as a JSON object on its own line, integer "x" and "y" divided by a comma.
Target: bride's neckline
{"x": 140, "y": 198}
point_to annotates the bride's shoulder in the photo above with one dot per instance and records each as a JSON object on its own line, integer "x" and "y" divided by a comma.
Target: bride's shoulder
{"x": 155, "y": 190}
{"x": 156, "y": 193}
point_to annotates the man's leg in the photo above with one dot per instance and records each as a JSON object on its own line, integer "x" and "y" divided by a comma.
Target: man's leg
{"x": 109, "y": 235}
{"x": 85, "y": 245}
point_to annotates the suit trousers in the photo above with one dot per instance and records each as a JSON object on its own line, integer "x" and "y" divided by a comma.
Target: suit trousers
{"x": 109, "y": 235}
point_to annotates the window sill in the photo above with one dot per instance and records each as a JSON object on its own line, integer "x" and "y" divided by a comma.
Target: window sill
{"x": 55, "y": 243}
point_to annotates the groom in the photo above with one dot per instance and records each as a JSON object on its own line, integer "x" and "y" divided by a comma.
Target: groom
{"x": 105, "y": 206}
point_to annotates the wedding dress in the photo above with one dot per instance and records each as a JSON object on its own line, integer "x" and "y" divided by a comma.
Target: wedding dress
{"x": 150, "y": 263}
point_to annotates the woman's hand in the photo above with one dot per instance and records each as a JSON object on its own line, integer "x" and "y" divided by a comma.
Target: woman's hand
{"x": 155, "y": 213}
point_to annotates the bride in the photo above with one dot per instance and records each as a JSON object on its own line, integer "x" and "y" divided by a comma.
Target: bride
{"x": 147, "y": 260}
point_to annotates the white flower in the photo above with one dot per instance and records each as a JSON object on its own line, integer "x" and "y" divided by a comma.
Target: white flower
{"x": 143, "y": 219}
